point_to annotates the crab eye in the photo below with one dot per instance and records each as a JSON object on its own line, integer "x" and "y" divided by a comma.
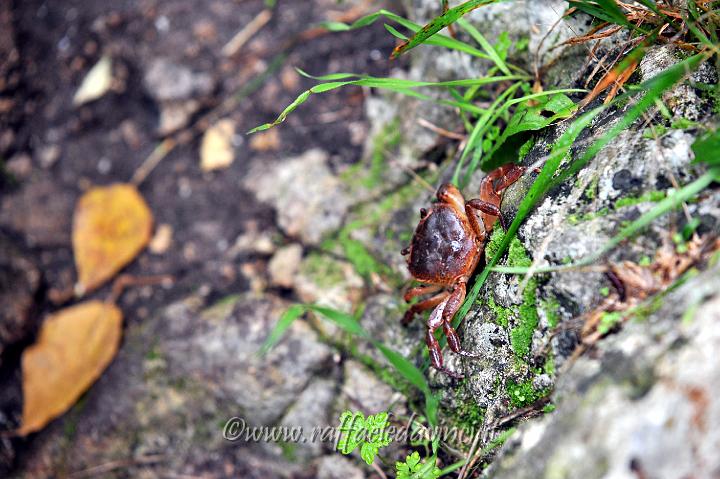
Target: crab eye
{"x": 423, "y": 213}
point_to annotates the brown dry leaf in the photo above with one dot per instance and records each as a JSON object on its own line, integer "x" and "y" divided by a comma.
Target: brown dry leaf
{"x": 73, "y": 348}
{"x": 615, "y": 78}
{"x": 112, "y": 224}
{"x": 216, "y": 150}
{"x": 266, "y": 141}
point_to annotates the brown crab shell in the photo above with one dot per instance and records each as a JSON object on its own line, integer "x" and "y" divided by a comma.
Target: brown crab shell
{"x": 443, "y": 247}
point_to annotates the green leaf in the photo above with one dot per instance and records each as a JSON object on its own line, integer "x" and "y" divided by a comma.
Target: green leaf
{"x": 707, "y": 148}
{"x": 404, "y": 367}
{"x": 351, "y": 430}
{"x": 370, "y": 434}
{"x": 287, "y": 318}
{"x": 438, "y": 24}
{"x": 412, "y": 468}
{"x": 606, "y": 10}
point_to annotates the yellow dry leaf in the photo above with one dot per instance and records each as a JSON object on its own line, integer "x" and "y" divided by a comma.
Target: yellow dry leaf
{"x": 73, "y": 348}
{"x": 216, "y": 150}
{"x": 112, "y": 224}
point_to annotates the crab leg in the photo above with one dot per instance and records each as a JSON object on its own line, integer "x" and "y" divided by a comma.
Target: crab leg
{"x": 453, "y": 304}
{"x": 420, "y": 290}
{"x": 423, "y": 305}
{"x": 433, "y": 323}
{"x": 490, "y": 188}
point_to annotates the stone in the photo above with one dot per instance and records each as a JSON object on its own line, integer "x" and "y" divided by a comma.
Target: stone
{"x": 178, "y": 91}
{"x": 337, "y": 467}
{"x": 644, "y": 403}
{"x": 284, "y": 265}
{"x": 310, "y": 411}
{"x": 224, "y": 351}
{"x": 310, "y": 200}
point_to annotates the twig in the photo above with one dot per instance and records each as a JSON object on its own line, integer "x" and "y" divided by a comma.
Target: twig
{"x": 440, "y": 131}
{"x": 236, "y": 43}
{"x": 125, "y": 281}
{"x": 154, "y": 159}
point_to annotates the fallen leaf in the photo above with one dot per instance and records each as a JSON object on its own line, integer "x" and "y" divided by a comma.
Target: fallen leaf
{"x": 266, "y": 141}
{"x": 73, "y": 348}
{"x": 96, "y": 83}
{"x": 216, "y": 150}
{"x": 112, "y": 224}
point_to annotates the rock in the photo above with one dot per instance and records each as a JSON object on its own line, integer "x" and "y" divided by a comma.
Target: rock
{"x": 216, "y": 149}
{"x": 310, "y": 200}
{"x": 178, "y": 90}
{"x": 310, "y": 411}
{"x": 337, "y": 467}
{"x": 224, "y": 351}
{"x": 19, "y": 166}
{"x": 166, "y": 80}
{"x": 645, "y": 403}
{"x": 162, "y": 239}
{"x": 284, "y": 265}
{"x": 382, "y": 319}
{"x": 364, "y": 391}
{"x": 328, "y": 281}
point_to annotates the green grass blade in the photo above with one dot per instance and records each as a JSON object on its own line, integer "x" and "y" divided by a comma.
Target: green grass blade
{"x": 345, "y": 321}
{"x": 489, "y": 49}
{"x": 394, "y": 84}
{"x": 286, "y": 320}
{"x": 407, "y": 369}
{"x": 438, "y": 24}
{"x": 559, "y": 151}
{"x": 668, "y": 204}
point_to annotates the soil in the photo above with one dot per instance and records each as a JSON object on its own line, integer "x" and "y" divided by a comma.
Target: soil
{"x": 53, "y": 150}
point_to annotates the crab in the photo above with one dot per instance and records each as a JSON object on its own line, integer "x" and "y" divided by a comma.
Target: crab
{"x": 445, "y": 250}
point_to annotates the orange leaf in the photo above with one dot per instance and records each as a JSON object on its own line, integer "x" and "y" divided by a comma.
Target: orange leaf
{"x": 112, "y": 225}
{"x": 73, "y": 348}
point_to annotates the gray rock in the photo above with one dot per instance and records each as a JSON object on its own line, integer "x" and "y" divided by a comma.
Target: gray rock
{"x": 178, "y": 90}
{"x": 310, "y": 411}
{"x": 166, "y": 80}
{"x": 337, "y": 467}
{"x": 310, "y": 200}
{"x": 647, "y": 404}
{"x": 224, "y": 350}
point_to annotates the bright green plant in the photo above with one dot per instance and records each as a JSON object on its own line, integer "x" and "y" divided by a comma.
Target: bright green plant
{"x": 369, "y": 434}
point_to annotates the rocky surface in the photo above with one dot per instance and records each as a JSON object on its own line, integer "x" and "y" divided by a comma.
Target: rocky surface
{"x": 312, "y": 224}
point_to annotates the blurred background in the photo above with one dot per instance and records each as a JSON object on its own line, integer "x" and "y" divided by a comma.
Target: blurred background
{"x": 159, "y": 95}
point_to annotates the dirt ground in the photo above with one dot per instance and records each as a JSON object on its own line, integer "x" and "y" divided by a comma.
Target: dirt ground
{"x": 53, "y": 150}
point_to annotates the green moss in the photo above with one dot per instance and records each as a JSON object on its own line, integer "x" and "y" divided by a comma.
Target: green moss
{"x": 325, "y": 271}
{"x": 371, "y": 176}
{"x": 523, "y": 394}
{"x": 551, "y": 307}
{"x": 525, "y": 149}
{"x": 649, "y": 197}
{"x": 502, "y": 314}
{"x": 525, "y": 316}
{"x": 469, "y": 417}
{"x": 549, "y": 366}
{"x": 608, "y": 320}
